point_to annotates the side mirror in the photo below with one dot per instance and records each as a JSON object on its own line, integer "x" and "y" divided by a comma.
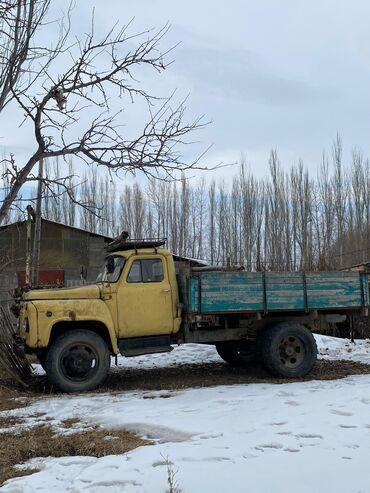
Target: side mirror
{"x": 110, "y": 265}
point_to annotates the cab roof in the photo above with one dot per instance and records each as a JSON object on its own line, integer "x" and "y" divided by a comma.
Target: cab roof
{"x": 122, "y": 244}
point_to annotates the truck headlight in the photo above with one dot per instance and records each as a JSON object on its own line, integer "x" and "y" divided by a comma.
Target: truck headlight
{"x": 26, "y": 325}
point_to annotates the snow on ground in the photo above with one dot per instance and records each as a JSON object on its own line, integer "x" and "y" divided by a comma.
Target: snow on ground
{"x": 333, "y": 348}
{"x": 305, "y": 437}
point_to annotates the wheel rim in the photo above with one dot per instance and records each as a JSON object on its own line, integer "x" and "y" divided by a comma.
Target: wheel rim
{"x": 79, "y": 362}
{"x": 291, "y": 352}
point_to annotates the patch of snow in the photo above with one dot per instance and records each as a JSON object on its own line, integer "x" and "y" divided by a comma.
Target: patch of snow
{"x": 186, "y": 354}
{"x": 334, "y": 348}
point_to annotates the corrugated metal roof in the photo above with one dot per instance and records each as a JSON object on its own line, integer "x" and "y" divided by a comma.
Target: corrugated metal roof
{"x": 20, "y": 223}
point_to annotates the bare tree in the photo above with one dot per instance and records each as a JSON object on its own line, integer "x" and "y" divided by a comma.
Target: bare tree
{"x": 139, "y": 210}
{"x": 302, "y": 216}
{"x": 81, "y": 96}
{"x": 252, "y": 199}
{"x": 197, "y": 205}
{"x": 22, "y": 59}
{"x": 89, "y": 197}
{"x": 212, "y": 221}
{"x": 126, "y": 215}
{"x": 277, "y": 218}
{"x": 174, "y": 213}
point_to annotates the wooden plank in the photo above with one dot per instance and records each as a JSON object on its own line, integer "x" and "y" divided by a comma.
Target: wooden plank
{"x": 230, "y": 291}
{"x": 285, "y": 290}
{"x": 193, "y": 295}
{"x": 333, "y": 290}
{"x": 365, "y": 288}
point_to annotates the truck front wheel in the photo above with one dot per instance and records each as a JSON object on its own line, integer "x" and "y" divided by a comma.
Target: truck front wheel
{"x": 288, "y": 350}
{"x": 77, "y": 361}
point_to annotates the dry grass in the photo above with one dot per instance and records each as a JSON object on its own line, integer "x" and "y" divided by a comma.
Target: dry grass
{"x": 68, "y": 423}
{"x": 43, "y": 442}
{"x": 8, "y": 403}
{"x": 10, "y": 392}
{"x": 11, "y": 398}
{"x": 172, "y": 483}
{"x": 7, "y": 421}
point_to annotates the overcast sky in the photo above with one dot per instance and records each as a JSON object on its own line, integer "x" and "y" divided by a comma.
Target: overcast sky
{"x": 286, "y": 74}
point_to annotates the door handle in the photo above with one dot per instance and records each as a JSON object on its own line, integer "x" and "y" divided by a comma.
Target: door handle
{"x": 166, "y": 290}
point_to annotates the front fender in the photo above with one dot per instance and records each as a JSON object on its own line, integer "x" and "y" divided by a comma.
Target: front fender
{"x": 28, "y": 330}
{"x": 50, "y": 312}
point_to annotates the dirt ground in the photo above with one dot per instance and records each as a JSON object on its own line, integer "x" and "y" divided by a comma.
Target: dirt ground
{"x": 19, "y": 447}
{"x": 182, "y": 376}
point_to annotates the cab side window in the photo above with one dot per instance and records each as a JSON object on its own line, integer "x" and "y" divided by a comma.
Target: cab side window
{"x": 146, "y": 270}
{"x": 135, "y": 272}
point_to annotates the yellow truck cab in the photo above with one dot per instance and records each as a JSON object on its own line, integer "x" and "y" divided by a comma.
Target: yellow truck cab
{"x": 132, "y": 309}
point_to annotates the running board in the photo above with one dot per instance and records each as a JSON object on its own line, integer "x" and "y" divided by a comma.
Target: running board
{"x": 138, "y": 346}
{"x": 146, "y": 350}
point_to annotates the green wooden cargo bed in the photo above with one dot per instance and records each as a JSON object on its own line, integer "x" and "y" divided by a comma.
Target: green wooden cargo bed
{"x": 225, "y": 292}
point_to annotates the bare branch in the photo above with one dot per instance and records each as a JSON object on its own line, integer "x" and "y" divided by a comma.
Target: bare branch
{"x": 102, "y": 69}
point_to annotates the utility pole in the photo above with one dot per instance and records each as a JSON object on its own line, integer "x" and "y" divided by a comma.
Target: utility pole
{"x": 28, "y": 246}
{"x": 37, "y": 235}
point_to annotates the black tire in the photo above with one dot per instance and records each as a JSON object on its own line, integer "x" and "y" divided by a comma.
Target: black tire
{"x": 288, "y": 350}
{"x": 78, "y": 360}
{"x": 237, "y": 353}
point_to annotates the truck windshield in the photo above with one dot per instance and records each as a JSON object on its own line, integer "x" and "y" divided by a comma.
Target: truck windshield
{"x": 105, "y": 276}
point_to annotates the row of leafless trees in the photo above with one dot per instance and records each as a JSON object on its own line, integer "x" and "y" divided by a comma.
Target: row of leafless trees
{"x": 288, "y": 221}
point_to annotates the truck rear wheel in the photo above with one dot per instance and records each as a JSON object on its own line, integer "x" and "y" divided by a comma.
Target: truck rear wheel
{"x": 237, "y": 353}
{"x": 289, "y": 350}
{"x": 77, "y": 360}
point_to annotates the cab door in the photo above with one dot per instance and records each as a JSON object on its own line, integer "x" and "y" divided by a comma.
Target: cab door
{"x": 144, "y": 298}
